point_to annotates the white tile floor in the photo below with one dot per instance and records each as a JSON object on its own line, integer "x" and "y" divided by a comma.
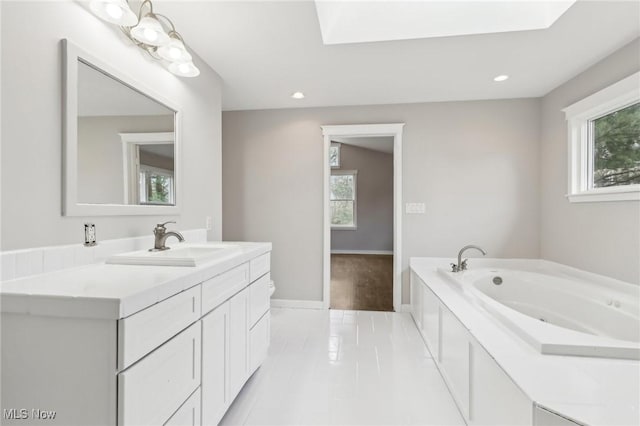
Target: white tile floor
{"x": 344, "y": 368}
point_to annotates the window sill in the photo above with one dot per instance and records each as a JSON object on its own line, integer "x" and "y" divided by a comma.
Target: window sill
{"x": 343, "y": 228}
{"x": 604, "y": 195}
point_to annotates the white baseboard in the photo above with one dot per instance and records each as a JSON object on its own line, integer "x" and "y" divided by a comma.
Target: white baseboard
{"x": 383, "y": 252}
{"x": 298, "y": 304}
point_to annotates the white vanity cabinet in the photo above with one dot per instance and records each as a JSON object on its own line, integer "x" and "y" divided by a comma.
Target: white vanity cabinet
{"x": 179, "y": 361}
{"x": 235, "y": 338}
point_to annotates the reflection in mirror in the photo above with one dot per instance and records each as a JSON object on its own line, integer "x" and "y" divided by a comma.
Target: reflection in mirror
{"x": 126, "y": 144}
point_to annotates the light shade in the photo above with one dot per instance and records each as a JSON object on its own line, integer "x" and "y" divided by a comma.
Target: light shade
{"x": 149, "y": 31}
{"x": 114, "y": 11}
{"x": 174, "y": 51}
{"x": 184, "y": 69}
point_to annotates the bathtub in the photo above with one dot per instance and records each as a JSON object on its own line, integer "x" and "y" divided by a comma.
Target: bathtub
{"x": 558, "y": 310}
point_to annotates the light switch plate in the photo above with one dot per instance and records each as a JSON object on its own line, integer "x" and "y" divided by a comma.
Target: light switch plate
{"x": 209, "y": 223}
{"x": 415, "y": 208}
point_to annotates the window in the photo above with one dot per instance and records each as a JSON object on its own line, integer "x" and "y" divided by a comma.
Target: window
{"x": 616, "y": 148}
{"x": 156, "y": 186}
{"x": 334, "y": 155}
{"x": 604, "y": 144}
{"x": 342, "y": 198}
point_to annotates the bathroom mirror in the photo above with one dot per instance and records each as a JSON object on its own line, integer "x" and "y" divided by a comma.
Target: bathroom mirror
{"x": 121, "y": 144}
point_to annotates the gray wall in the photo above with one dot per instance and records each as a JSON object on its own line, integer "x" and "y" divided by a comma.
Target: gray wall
{"x": 100, "y": 174}
{"x": 374, "y": 209}
{"x": 474, "y": 164}
{"x": 602, "y": 237}
{"x": 32, "y": 116}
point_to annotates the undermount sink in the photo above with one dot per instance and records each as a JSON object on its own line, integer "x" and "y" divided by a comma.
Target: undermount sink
{"x": 178, "y": 255}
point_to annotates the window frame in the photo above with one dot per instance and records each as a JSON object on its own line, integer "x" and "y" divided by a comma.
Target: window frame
{"x": 339, "y": 147}
{"x": 353, "y": 173}
{"x": 580, "y": 117}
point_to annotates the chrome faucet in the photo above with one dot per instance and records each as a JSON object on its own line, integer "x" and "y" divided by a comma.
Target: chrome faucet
{"x": 462, "y": 264}
{"x": 161, "y": 235}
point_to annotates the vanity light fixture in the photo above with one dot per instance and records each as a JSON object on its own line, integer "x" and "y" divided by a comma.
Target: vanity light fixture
{"x": 297, "y": 95}
{"x": 152, "y": 32}
{"x": 115, "y": 11}
{"x": 149, "y": 31}
{"x": 501, "y": 77}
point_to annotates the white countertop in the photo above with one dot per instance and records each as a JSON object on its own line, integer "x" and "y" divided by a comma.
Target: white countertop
{"x": 592, "y": 391}
{"x": 112, "y": 291}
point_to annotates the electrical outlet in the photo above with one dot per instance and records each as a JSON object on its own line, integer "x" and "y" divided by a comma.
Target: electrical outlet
{"x": 209, "y": 223}
{"x": 415, "y": 208}
{"x": 89, "y": 234}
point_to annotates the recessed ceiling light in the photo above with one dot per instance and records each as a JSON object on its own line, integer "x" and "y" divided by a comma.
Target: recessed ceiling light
{"x": 297, "y": 95}
{"x": 502, "y": 77}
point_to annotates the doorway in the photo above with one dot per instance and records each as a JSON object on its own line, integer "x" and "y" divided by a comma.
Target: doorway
{"x": 362, "y": 217}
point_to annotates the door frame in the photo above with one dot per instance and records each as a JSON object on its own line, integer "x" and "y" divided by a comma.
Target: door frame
{"x": 365, "y": 130}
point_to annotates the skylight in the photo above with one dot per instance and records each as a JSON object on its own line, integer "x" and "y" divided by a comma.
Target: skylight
{"x": 351, "y": 21}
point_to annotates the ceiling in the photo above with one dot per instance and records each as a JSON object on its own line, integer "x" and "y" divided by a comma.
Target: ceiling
{"x": 266, "y": 50}
{"x": 379, "y": 143}
{"x": 163, "y": 150}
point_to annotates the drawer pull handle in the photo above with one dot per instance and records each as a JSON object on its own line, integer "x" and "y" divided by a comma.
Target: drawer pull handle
{"x": 193, "y": 359}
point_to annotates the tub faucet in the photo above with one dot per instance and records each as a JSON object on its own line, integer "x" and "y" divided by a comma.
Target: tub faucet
{"x": 161, "y": 234}
{"x": 462, "y": 264}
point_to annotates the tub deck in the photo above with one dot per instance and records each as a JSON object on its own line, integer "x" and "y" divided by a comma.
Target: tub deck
{"x": 588, "y": 390}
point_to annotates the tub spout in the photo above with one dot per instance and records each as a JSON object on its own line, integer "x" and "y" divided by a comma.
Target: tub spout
{"x": 462, "y": 264}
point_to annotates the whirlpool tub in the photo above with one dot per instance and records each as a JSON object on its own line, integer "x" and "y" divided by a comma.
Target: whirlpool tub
{"x": 558, "y": 312}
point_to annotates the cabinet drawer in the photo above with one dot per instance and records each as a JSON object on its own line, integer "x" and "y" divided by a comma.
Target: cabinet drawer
{"x": 259, "y": 299}
{"x": 144, "y": 331}
{"x": 259, "y": 337}
{"x": 188, "y": 414}
{"x": 220, "y": 288}
{"x": 259, "y": 266}
{"x": 154, "y": 388}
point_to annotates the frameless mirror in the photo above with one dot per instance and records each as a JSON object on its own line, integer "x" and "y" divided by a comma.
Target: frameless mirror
{"x": 121, "y": 150}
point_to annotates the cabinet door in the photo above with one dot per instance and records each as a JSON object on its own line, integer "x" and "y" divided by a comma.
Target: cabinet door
{"x": 238, "y": 341}
{"x": 259, "y": 337}
{"x": 215, "y": 363}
